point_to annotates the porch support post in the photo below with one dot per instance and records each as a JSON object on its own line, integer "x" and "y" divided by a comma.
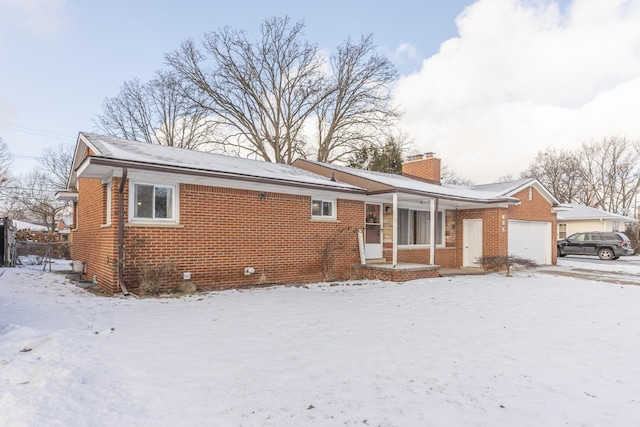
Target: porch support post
{"x": 394, "y": 233}
{"x": 432, "y": 231}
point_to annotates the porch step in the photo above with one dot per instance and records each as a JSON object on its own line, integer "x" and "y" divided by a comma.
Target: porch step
{"x": 377, "y": 261}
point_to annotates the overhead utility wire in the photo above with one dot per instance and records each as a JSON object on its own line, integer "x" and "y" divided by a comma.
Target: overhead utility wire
{"x": 48, "y": 133}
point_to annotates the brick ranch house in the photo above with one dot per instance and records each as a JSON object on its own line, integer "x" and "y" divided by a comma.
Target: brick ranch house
{"x": 228, "y": 222}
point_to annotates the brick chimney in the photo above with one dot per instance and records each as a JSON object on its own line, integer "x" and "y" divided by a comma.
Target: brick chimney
{"x": 423, "y": 166}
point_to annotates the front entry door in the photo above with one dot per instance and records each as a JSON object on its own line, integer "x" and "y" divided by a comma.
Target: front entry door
{"x": 471, "y": 242}
{"x": 373, "y": 231}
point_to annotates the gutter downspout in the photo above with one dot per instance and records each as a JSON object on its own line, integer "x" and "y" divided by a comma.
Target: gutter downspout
{"x": 123, "y": 179}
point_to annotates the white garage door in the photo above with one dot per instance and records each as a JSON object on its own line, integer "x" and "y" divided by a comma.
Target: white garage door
{"x": 531, "y": 240}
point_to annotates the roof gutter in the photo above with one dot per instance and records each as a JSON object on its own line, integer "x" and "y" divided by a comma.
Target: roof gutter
{"x": 101, "y": 161}
{"x": 446, "y": 197}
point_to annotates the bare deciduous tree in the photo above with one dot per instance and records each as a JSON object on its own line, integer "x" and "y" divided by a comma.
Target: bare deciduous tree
{"x": 6, "y": 160}
{"x": 156, "y": 112}
{"x": 603, "y": 174}
{"x": 611, "y": 173}
{"x": 261, "y": 92}
{"x": 357, "y": 108}
{"x": 56, "y": 162}
{"x": 36, "y": 195}
{"x": 559, "y": 171}
{"x": 31, "y": 197}
{"x": 266, "y": 93}
{"x": 449, "y": 176}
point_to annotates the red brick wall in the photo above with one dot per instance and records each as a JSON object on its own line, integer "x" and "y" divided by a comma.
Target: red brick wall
{"x": 426, "y": 168}
{"x": 221, "y": 232}
{"x": 446, "y": 258}
{"x": 94, "y": 243}
{"x": 536, "y": 209}
{"x": 495, "y": 237}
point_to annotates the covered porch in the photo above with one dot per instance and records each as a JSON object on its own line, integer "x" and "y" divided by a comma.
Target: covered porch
{"x": 399, "y": 233}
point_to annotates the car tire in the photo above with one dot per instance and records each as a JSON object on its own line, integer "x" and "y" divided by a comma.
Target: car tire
{"x": 560, "y": 253}
{"x": 606, "y": 254}
{"x": 616, "y": 257}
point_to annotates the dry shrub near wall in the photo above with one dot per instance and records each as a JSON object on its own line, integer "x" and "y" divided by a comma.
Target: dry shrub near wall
{"x": 499, "y": 263}
{"x": 632, "y": 232}
{"x": 334, "y": 248}
{"x": 153, "y": 279}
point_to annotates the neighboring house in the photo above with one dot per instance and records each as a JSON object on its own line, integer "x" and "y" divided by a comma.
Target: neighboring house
{"x": 63, "y": 228}
{"x": 228, "y": 222}
{"x": 581, "y": 218}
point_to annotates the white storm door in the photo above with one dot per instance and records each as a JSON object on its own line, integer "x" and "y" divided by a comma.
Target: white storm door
{"x": 471, "y": 242}
{"x": 373, "y": 231}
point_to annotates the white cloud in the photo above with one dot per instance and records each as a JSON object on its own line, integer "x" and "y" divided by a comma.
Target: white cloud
{"x": 41, "y": 17}
{"x": 522, "y": 76}
{"x": 406, "y": 50}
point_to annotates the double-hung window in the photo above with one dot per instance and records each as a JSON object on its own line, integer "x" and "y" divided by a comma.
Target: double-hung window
{"x": 562, "y": 231}
{"x": 153, "y": 202}
{"x": 323, "y": 209}
{"x": 414, "y": 227}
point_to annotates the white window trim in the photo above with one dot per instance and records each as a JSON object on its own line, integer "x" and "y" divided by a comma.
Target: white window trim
{"x": 334, "y": 208}
{"x": 427, "y": 245}
{"x": 175, "y": 209}
{"x": 109, "y": 205}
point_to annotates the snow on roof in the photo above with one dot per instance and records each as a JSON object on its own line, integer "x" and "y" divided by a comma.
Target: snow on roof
{"x": 23, "y": 225}
{"x": 578, "y": 211}
{"x": 509, "y": 188}
{"x": 135, "y": 151}
{"x": 502, "y": 187}
{"x": 401, "y": 182}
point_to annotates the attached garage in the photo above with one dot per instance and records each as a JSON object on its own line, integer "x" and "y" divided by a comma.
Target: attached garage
{"x": 531, "y": 240}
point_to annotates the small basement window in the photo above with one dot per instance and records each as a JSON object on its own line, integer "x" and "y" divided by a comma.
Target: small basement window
{"x": 322, "y": 208}
{"x": 153, "y": 202}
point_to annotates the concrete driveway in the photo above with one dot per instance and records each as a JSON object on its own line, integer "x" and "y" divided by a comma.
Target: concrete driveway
{"x": 623, "y": 271}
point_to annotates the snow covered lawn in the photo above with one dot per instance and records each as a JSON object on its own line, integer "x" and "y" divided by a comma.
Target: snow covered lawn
{"x": 531, "y": 350}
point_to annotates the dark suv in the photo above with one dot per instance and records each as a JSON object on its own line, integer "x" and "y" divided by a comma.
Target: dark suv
{"x": 611, "y": 245}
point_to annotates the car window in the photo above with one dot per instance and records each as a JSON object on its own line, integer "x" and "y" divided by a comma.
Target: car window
{"x": 578, "y": 237}
{"x": 613, "y": 236}
{"x": 593, "y": 237}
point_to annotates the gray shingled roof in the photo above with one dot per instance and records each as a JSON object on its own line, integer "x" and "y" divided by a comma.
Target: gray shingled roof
{"x": 154, "y": 154}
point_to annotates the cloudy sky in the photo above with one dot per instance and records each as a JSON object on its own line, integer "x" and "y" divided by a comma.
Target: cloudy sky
{"x": 484, "y": 84}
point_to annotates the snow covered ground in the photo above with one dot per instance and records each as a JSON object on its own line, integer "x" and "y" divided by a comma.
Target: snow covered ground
{"x": 537, "y": 349}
